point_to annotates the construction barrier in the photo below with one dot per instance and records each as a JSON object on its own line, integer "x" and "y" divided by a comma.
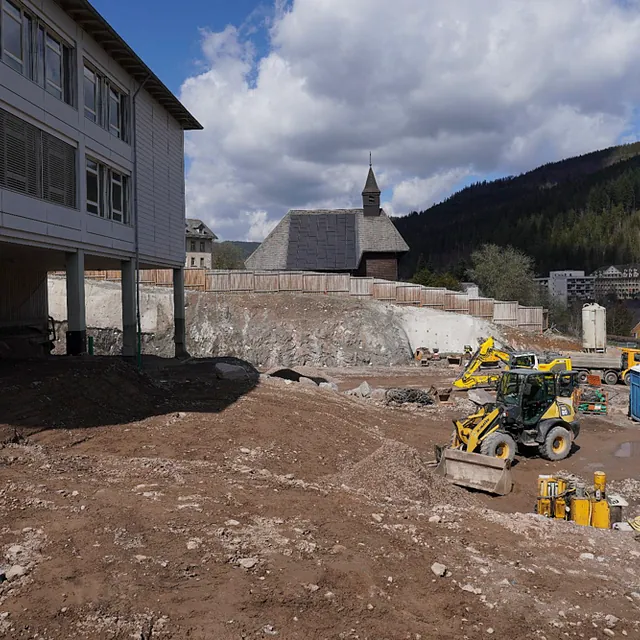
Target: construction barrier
{"x": 404, "y": 293}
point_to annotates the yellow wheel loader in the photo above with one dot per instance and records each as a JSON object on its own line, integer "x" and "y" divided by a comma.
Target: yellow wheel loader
{"x": 487, "y": 363}
{"x": 532, "y": 409}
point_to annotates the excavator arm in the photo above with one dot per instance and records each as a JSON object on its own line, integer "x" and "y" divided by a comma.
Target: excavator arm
{"x": 474, "y": 375}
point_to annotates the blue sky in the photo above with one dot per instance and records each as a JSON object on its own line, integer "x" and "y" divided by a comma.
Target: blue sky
{"x": 168, "y": 38}
{"x": 448, "y": 92}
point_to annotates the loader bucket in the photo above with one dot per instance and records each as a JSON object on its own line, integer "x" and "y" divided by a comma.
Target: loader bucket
{"x": 476, "y": 471}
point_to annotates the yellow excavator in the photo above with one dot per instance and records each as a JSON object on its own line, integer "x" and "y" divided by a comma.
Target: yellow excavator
{"x": 488, "y": 362}
{"x": 532, "y": 409}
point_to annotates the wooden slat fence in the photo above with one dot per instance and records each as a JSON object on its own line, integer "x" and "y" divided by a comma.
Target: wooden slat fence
{"x": 404, "y": 293}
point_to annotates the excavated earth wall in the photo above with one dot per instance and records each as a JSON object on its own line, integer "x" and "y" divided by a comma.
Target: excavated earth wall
{"x": 274, "y": 329}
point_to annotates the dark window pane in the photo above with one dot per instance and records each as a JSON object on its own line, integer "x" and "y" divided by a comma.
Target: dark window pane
{"x": 90, "y": 106}
{"x": 12, "y": 38}
{"x": 92, "y": 187}
{"x": 53, "y": 67}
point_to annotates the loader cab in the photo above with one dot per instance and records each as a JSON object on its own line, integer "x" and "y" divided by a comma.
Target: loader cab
{"x": 524, "y": 361}
{"x": 528, "y": 394}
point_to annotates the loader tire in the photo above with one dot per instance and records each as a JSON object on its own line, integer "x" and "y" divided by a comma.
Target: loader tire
{"x": 499, "y": 445}
{"x": 556, "y": 445}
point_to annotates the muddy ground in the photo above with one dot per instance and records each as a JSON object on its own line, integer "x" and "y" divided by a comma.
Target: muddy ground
{"x": 176, "y": 505}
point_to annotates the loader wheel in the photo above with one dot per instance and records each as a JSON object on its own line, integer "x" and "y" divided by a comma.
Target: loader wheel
{"x": 499, "y": 445}
{"x": 556, "y": 445}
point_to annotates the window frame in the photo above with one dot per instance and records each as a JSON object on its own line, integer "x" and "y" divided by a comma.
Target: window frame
{"x": 108, "y": 96}
{"x": 108, "y": 178}
{"x": 34, "y": 36}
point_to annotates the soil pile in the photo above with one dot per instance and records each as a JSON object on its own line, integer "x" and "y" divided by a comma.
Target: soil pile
{"x": 396, "y": 471}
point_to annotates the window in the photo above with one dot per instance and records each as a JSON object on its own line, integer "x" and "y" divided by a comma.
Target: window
{"x": 201, "y": 262}
{"x": 35, "y": 163}
{"x": 201, "y": 246}
{"x": 93, "y": 188}
{"x": 104, "y": 104}
{"x": 193, "y": 262}
{"x": 193, "y": 245}
{"x": 30, "y": 48}
{"x": 107, "y": 192}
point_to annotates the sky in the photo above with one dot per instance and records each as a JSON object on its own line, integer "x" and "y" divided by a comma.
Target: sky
{"x": 295, "y": 94}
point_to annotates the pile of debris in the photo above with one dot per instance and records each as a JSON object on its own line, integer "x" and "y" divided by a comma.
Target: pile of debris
{"x": 395, "y": 471}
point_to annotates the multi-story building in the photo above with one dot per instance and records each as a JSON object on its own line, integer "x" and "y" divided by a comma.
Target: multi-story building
{"x": 199, "y": 244}
{"x": 91, "y": 167}
{"x": 621, "y": 281}
{"x": 569, "y": 286}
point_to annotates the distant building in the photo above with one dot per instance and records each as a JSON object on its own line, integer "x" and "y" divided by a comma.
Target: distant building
{"x": 199, "y": 246}
{"x": 363, "y": 242}
{"x": 569, "y": 286}
{"x": 622, "y": 281}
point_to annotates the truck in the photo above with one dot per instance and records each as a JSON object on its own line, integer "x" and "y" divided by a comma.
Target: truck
{"x": 611, "y": 368}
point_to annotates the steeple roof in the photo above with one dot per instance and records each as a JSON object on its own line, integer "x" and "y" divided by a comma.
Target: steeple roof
{"x": 371, "y": 186}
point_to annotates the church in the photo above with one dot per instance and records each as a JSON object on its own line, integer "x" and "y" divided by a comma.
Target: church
{"x": 362, "y": 242}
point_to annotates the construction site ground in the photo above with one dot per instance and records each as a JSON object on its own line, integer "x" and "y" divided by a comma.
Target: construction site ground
{"x": 174, "y": 504}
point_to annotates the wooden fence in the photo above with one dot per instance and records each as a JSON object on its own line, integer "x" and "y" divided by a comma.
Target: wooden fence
{"x": 506, "y": 313}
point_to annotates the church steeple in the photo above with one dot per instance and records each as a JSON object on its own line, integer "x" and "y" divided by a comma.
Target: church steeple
{"x": 371, "y": 194}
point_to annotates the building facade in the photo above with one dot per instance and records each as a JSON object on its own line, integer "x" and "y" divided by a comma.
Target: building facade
{"x": 621, "y": 281}
{"x": 362, "y": 242}
{"x": 91, "y": 165}
{"x": 569, "y": 286}
{"x": 199, "y": 244}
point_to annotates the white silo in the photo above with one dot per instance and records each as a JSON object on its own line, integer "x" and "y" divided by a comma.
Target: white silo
{"x": 594, "y": 328}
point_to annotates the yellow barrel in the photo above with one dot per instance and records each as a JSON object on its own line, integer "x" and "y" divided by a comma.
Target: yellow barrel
{"x": 581, "y": 511}
{"x": 600, "y": 515}
{"x": 600, "y": 482}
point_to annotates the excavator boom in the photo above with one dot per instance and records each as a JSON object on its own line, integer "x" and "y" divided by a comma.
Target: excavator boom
{"x": 476, "y": 373}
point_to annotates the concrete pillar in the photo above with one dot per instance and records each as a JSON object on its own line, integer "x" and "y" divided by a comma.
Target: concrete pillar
{"x": 76, "y": 318}
{"x": 129, "y": 324}
{"x": 180, "y": 337}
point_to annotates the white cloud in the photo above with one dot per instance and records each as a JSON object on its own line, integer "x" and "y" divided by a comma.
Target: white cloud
{"x": 437, "y": 90}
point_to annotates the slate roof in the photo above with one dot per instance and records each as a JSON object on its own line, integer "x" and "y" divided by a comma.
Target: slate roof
{"x": 197, "y": 229}
{"x": 325, "y": 240}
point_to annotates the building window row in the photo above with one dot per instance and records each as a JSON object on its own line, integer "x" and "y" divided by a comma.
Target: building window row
{"x": 32, "y": 49}
{"x": 105, "y": 104}
{"x": 107, "y": 192}
{"x": 35, "y": 163}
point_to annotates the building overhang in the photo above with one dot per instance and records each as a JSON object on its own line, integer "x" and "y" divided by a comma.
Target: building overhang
{"x": 87, "y": 17}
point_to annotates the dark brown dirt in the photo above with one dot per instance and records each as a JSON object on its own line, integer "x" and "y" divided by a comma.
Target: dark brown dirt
{"x": 221, "y": 519}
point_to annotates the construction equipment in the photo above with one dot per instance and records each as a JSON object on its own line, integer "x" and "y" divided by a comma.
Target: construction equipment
{"x": 629, "y": 358}
{"x": 532, "y": 409}
{"x": 485, "y": 366}
{"x": 568, "y": 499}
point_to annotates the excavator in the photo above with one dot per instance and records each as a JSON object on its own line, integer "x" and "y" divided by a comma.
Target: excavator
{"x": 532, "y": 409}
{"x": 488, "y": 362}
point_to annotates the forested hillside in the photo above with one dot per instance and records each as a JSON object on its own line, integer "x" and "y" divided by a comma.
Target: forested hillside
{"x": 580, "y": 213}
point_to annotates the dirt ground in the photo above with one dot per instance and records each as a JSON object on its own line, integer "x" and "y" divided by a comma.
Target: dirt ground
{"x": 176, "y": 505}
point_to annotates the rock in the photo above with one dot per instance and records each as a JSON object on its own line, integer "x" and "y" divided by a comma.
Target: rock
{"x": 194, "y": 543}
{"x": 311, "y": 587}
{"x": 245, "y": 451}
{"x": 489, "y": 630}
{"x": 471, "y": 589}
{"x": 329, "y": 595}
{"x": 16, "y": 571}
{"x": 307, "y": 382}
{"x": 289, "y": 476}
{"x": 587, "y": 556}
{"x": 439, "y": 569}
{"x": 377, "y": 517}
{"x": 248, "y": 563}
{"x": 269, "y": 630}
{"x": 635, "y": 594}
{"x": 337, "y": 548}
{"x": 230, "y": 371}
{"x": 364, "y": 390}
{"x": 231, "y": 523}
{"x": 611, "y": 620}
{"x": 331, "y": 386}
{"x": 609, "y": 632}
{"x": 379, "y": 395}
{"x": 14, "y": 551}
{"x": 370, "y": 607}
{"x": 437, "y": 519}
